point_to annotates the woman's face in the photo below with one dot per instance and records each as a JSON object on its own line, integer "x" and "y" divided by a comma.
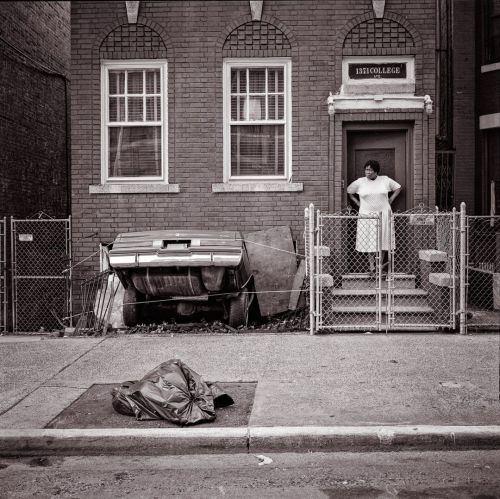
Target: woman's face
{"x": 370, "y": 173}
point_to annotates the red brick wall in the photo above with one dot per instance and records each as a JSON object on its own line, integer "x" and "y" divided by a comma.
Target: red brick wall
{"x": 35, "y": 41}
{"x": 194, "y": 33}
{"x": 463, "y": 102}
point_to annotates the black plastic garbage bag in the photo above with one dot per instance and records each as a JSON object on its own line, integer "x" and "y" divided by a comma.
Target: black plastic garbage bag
{"x": 171, "y": 391}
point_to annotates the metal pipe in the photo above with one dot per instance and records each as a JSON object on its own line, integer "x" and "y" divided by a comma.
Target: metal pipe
{"x": 13, "y": 271}
{"x": 453, "y": 269}
{"x": 319, "y": 262}
{"x": 311, "y": 271}
{"x": 70, "y": 276}
{"x": 463, "y": 261}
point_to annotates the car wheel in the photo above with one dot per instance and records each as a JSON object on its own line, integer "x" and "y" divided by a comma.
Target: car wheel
{"x": 238, "y": 309}
{"x": 131, "y": 307}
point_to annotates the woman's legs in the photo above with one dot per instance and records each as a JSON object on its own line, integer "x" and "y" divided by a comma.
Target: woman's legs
{"x": 371, "y": 261}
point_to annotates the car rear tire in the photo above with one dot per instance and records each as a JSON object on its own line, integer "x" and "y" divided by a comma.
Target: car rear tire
{"x": 238, "y": 309}
{"x": 131, "y": 307}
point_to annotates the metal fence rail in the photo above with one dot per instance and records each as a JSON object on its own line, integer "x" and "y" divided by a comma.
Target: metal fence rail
{"x": 41, "y": 291}
{"x": 3, "y": 274}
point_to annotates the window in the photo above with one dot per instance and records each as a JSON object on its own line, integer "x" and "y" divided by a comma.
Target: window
{"x": 257, "y": 122}
{"x": 134, "y": 121}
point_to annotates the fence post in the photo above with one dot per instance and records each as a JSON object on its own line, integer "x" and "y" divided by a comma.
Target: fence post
{"x": 463, "y": 270}
{"x": 312, "y": 324}
{"x": 453, "y": 268}
{"x": 318, "y": 287}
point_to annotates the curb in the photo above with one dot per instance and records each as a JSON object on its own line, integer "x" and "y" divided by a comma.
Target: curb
{"x": 157, "y": 441}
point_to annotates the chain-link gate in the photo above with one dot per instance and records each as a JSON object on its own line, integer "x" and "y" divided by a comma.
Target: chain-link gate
{"x": 41, "y": 273}
{"x": 3, "y": 274}
{"x": 483, "y": 272}
{"x": 367, "y": 274}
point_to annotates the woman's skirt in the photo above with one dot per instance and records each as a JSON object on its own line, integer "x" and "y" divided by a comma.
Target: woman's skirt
{"x": 368, "y": 228}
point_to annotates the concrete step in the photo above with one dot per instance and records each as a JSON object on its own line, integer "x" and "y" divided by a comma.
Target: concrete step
{"x": 365, "y": 281}
{"x": 401, "y": 296}
{"x": 372, "y": 309}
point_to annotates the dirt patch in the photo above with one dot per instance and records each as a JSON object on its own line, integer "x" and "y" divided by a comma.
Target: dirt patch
{"x": 286, "y": 322}
{"x": 94, "y": 410}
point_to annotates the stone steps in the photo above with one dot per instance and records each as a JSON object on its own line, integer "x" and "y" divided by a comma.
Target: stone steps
{"x": 365, "y": 281}
{"x": 349, "y": 297}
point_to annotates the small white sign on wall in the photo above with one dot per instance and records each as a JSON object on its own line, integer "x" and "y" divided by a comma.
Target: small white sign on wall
{"x": 378, "y": 75}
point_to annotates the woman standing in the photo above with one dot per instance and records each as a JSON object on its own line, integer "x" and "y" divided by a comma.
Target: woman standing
{"x": 373, "y": 191}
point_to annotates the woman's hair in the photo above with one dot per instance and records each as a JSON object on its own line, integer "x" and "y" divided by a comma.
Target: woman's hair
{"x": 374, "y": 164}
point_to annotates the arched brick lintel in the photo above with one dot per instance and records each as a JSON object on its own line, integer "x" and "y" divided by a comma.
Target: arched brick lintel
{"x": 344, "y": 31}
{"x": 247, "y": 19}
{"x": 121, "y": 21}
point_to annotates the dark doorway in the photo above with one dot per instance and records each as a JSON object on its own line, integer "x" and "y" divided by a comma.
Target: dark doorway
{"x": 389, "y": 148}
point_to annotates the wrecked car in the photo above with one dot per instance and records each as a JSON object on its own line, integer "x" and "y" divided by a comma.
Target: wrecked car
{"x": 184, "y": 272}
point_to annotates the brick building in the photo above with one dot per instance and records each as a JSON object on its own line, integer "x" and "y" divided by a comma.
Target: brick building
{"x": 239, "y": 114}
{"x": 488, "y": 107}
{"x": 34, "y": 122}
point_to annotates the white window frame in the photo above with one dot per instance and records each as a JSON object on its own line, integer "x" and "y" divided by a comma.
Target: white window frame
{"x": 106, "y": 66}
{"x": 242, "y": 63}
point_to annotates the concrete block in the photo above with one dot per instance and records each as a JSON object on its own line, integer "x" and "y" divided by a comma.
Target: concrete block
{"x": 431, "y": 255}
{"x": 442, "y": 279}
{"x": 326, "y": 280}
{"x": 496, "y": 291}
{"x": 322, "y": 250}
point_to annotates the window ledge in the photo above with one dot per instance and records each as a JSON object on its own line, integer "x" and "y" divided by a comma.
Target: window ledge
{"x": 259, "y": 187}
{"x": 495, "y": 66}
{"x": 133, "y": 188}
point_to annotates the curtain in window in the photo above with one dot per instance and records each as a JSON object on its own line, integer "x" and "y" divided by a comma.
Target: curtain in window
{"x": 134, "y": 151}
{"x": 257, "y": 150}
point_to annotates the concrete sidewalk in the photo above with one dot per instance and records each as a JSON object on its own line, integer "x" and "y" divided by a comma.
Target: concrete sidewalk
{"x": 349, "y": 391}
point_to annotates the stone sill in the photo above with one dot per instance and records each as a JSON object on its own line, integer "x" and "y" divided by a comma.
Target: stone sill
{"x": 259, "y": 187}
{"x": 134, "y": 189}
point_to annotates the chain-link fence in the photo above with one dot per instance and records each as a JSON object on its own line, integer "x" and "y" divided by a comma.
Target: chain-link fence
{"x": 349, "y": 284}
{"x": 98, "y": 293}
{"x": 3, "y": 274}
{"x": 41, "y": 291}
{"x": 398, "y": 273}
{"x": 424, "y": 270}
{"x": 483, "y": 272}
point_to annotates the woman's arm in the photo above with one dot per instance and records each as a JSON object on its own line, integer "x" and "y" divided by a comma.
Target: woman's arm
{"x": 354, "y": 199}
{"x": 395, "y": 194}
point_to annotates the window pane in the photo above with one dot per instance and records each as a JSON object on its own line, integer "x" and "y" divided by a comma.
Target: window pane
{"x": 135, "y": 112}
{"x": 257, "y": 80}
{"x": 153, "y": 82}
{"x": 234, "y": 108}
{"x": 273, "y": 114}
{"x": 117, "y": 82}
{"x": 281, "y": 107}
{"x": 153, "y": 109}
{"x": 275, "y": 80}
{"x": 134, "y": 151}
{"x": 117, "y": 109}
{"x": 135, "y": 82}
{"x": 256, "y": 108}
{"x": 238, "y": 81}
{"x": 257, "y": 150}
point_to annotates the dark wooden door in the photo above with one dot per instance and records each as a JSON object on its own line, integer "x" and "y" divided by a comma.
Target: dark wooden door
{"x": 389, "y": 149}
